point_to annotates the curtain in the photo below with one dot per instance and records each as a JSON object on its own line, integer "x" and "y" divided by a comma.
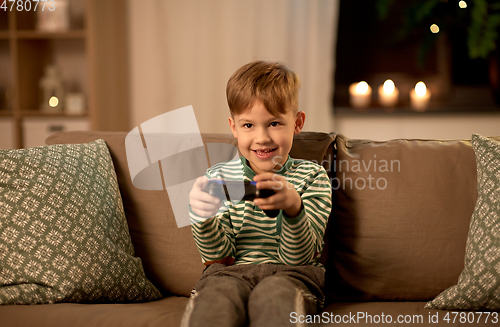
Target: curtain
{"x": 183, "y": 52}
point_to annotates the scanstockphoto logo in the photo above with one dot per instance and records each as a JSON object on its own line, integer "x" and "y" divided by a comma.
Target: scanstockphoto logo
{"x": 167, "y": 153}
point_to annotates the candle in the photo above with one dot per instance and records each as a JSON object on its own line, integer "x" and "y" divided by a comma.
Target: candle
{"x": 419, "y": 97}
{"x": 388, "y": 94}
{"x": 360, "y": 94}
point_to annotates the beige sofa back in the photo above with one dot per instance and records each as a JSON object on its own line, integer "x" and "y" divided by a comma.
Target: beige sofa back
{"x": 399, "y": 223}
{"x": 170, "y": 258}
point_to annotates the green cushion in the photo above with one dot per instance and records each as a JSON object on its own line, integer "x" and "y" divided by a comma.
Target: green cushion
{"x": 478, "y": 286}
{"x": 63, "y": 232}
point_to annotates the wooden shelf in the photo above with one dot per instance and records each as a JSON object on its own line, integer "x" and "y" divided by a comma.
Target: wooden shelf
{"x": 41, "y": 113}
{"x": 30, "y": 51}
{"x": 6, "y": 113}
{"x": 92, "y": 58}
{"x": 36, "y": 35}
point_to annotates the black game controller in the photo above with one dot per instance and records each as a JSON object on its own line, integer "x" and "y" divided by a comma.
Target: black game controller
{"x": 239, "y": 190}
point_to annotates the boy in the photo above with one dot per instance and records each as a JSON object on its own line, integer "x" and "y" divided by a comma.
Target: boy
{"x": 260, "y": 269}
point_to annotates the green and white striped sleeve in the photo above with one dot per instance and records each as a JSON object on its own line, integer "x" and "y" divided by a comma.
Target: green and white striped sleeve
{"x": 214, "y": 239}
{"x": 214, "y": 236}
{"x": 301, "y": 239}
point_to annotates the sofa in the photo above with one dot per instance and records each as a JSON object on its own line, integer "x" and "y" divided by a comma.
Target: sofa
{"x": 396, "y": 236}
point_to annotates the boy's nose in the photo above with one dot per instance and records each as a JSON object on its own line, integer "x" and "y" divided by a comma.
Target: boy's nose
{"x": 262, "y": 136}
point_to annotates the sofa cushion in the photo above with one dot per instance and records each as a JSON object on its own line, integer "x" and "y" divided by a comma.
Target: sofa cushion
{"x": 170, "y": 257}
{"x": 479, "y": 283}
{"x": 400, "y": 217}
{"x": 166, "y": 312}
{"x": 63, "y": 232}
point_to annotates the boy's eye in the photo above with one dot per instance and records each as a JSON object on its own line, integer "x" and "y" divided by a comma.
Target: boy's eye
{"x": 274, "y": 123}
{"x": 247, "y": 125}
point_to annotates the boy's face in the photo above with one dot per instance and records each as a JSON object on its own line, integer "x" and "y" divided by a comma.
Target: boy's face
{"x": 263, "y": 139}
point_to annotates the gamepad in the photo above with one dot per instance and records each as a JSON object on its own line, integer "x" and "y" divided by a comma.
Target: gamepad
{"x": 225, "y": 190}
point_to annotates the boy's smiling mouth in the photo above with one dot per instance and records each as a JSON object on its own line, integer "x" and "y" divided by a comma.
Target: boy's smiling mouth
{"x": 264, "y": 153}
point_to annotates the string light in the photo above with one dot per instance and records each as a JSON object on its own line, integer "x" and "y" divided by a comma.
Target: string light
{"x": 434, "y": 28}
{"x": 462, "y": 4}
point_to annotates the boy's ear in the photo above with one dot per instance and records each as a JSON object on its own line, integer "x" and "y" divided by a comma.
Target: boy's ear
{"x": 299, "y": 122}
{"x": 233, "y": 127}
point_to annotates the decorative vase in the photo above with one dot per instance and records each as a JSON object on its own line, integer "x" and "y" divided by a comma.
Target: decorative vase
{"x": 51, "y": 86}
{"x": 54, "y": 18}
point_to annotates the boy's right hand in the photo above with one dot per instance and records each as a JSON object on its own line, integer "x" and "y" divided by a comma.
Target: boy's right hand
{"x": 202, "y": 203}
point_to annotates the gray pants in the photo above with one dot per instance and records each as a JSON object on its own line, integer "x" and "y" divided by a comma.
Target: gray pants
{"x": 254, "y": 295}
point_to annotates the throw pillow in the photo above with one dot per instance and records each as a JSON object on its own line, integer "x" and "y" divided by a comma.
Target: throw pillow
{"x": 63, "y": 232}
{"x": 478, "y": 286}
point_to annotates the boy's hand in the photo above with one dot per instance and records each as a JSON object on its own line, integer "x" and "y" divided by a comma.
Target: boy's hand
{"x": 285, "y": 198}
{"x": 202, "y": 203}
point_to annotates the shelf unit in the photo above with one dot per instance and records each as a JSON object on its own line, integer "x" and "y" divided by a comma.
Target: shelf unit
{"x": 89, "y": 56}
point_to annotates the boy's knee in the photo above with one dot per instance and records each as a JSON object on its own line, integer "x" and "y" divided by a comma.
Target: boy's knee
{"x": 281, "y": 288}
{"x": 278, "y": 296}
{"x": 274, "y": 286}
{"x": 219, "y": 300}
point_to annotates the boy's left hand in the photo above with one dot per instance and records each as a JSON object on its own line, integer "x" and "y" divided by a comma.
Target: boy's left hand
{"x": 285, "y": 198}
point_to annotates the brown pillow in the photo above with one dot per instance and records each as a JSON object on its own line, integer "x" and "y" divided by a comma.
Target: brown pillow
{"x": 400, "y": 217}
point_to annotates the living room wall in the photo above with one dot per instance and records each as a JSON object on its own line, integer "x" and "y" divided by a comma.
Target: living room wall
{"x": 183, "y": 52}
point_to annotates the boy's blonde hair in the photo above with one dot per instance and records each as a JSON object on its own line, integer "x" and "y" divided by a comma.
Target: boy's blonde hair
{"x": 272, "y": 83}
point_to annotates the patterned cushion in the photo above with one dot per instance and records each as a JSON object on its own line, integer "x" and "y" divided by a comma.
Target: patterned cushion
{"x": 478, "y": 286}
{"x": 63, "y": 232}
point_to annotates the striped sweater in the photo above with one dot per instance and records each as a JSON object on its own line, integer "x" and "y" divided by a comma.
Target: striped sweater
{"x": 241, "y": 233}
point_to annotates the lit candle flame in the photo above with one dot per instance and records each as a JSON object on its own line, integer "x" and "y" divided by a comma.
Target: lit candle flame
{"x": 362, "y": 87}
{"x": 389, "y": 86}
{"x": 420, "y": 89}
